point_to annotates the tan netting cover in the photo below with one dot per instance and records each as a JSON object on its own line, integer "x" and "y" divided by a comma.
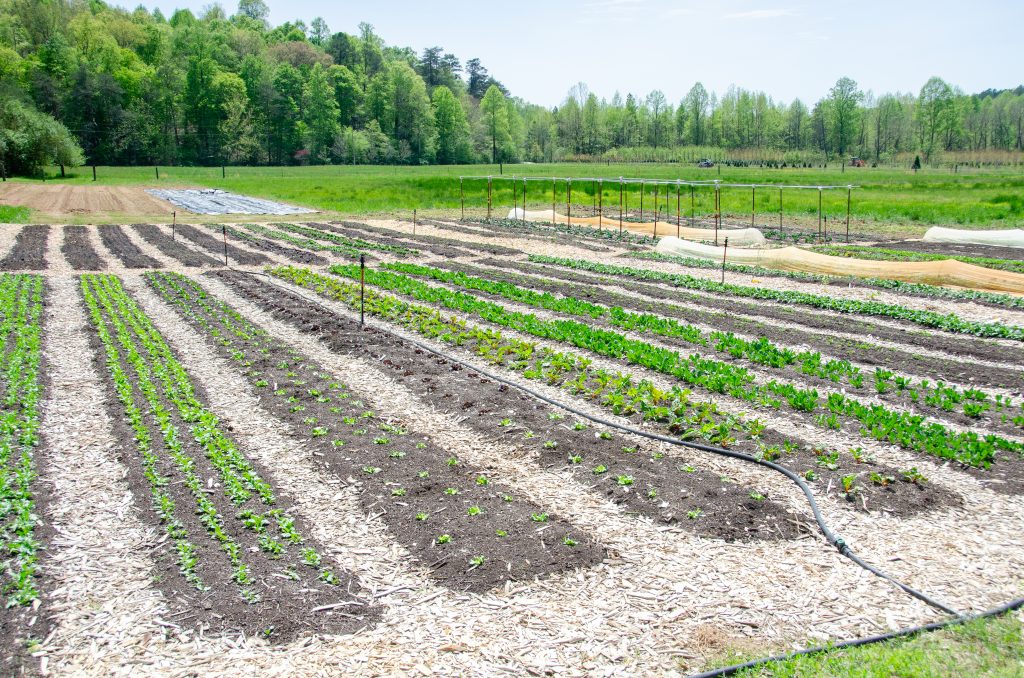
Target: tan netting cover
{"x": 740, "y": 236}
{"x": 948, "y": 272}
{"x": 1006, "y": 238}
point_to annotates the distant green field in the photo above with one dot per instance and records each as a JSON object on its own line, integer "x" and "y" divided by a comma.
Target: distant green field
{"x": 889, "y": 199}
{"x": 14, "y": 215}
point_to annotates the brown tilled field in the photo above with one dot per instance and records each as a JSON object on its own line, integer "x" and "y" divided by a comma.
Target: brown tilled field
{"x": 213, "y": 466}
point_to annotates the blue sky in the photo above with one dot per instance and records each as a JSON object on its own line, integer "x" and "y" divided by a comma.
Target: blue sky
{"x": 539, "y": 49}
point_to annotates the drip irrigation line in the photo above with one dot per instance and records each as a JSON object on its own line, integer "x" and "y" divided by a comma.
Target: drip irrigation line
{"x": 866, "y": 640}
{"x": 835, "y": 540}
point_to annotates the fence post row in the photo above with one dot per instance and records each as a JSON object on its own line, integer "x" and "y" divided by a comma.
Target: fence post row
{"x": 462, "y": 198}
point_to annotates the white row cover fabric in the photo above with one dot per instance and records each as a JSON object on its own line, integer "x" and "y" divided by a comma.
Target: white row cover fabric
{"x": 1003, "y": 238}
{"x": 750, "y": 237}
{"x": 947, "y": 272}
{"x": 215, "y": 201}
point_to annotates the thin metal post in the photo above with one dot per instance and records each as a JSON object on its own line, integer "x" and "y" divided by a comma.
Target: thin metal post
{"x": 223, "y": 172}
{"x": 224, "y": 234}
{"x": 157, "y": 168}
{"x": 718, "y": 211}
{"x": 524, "y": 198}
{"x": 488, "y": 198}
{"x": 94, "y": 172}
{"x": 679, "y": 214}
{"x": 462, "y": 198}
{"x": 593, "y": 195}
{"x": 780, "y": 210}
{"x": 568, "y": 200}
{"x": 849, "y": 191}
{"x": 725, "y": 251}
{"x": 362, "y": 287}
{"x": 620, "y": 205}
{"x": 414, "y": 222}
{"x": 753, "y": 204}
{"x": 693, "y": 208}
{"x": 643, "y": 187}
{"x": 819, "y": 214}
{"x": 174, "y": 223}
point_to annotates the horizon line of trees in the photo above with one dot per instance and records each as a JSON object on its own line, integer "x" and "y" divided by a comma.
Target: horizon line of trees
{"x": 84, "y": 82}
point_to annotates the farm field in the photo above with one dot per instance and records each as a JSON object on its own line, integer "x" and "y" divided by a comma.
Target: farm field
{"x": 888, "y": 202}
{"x": 230, "y": 448}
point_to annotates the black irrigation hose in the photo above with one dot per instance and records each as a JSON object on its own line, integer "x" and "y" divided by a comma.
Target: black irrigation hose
{"x": 867, "y": 640}
{"x": 830, "y": 536}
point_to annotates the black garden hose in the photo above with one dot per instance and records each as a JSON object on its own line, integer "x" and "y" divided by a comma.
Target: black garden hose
{"x": 830, "y": 536}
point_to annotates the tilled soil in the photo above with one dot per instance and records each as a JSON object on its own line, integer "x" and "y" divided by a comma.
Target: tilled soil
{"x": 936, "y": 340}
{"x": 422, "y": 490}
{"x": 29, "y": 251}
{"x": 482, "y": 230}
{"x": 957, "y": 249}
{"x": 120, "y": 245}
{"x": 161, "y": 239}
{"x": 898, "y": 497}
{"x": 284, "y": 588}
{"x": 292, "y": 254}
{"x": 656, "y": 487}
{"x": 991, "y": 419}
{"x": 216, "y": 247}
{"x": 444, "y": 247}
{"x": 78, "y": 250}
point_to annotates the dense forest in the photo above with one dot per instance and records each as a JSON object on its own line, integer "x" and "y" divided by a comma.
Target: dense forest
{"x": 82, "y": 81}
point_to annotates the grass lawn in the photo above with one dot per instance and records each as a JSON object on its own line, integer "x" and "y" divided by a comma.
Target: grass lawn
{"x": 888, "y": 199}
{"x": 992, "y": 647}
{"x": 14, "y": 215}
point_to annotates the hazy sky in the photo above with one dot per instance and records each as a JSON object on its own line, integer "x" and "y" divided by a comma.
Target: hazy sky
{"x": 539, "y": 49}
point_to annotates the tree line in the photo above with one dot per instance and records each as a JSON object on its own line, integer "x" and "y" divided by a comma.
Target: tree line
{"x": 82, "y": 81}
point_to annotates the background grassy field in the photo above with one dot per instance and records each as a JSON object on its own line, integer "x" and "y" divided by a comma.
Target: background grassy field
{"x": 887, "y": 199}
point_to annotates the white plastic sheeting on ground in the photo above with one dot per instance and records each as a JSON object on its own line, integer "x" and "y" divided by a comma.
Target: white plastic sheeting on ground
{"x": 947, "y": 272}
{"x": 739, "y": 236}
{"x": 215, "y": 201}
{"x": 1004, "y": 238}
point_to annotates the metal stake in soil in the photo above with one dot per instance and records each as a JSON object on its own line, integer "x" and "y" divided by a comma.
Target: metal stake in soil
{"x": 524, "y": 200}
{"x": 780, "y": 211}
{"x": 753, "y": 204}
{"x": 819, "y": 214}
{"x": 462, "y": 199}
{"x": 620, "y": 205}
{"x": 553, "y": 200}
{"x": 157, "y": 168}
{"x": 849, "y": 190}
{"x": 678, "y": 212}
{"x": 515, "y": 196}
{"x": 643, "y": 187}
{"x": 568, "y": 200}
{"x": 414, "y": 222}
{"x": 725, "y": 250}
{"x": 362, "y": 287}
{"x": 174, "y": 224}
{"x": 224, "y": 234}
{"x": 600, "y": 205}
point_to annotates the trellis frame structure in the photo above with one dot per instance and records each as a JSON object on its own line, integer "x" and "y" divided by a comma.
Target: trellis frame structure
{"x": 597, "y": 185}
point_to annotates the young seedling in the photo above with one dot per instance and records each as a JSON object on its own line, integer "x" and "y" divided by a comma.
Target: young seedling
{"x": 624, "y": 480}
{"x": 476, "y": 561}
{"x": 444, "y": 539}
{"x": 539, "y": 517}
{"x": 421, "y": 516}
{"x": 474, "y": 511}
{"x": 451, "y": 491}
{"x": 600, "y": 468}
{"x": 569, "y": 541}
{"x": 694, "y": 514}
{"x": 550, "y": 445}
{"x": 398, "y": 492}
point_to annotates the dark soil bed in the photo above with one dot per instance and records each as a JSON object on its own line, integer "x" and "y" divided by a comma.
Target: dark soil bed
{"x": 78, "y": 250}
{"x": 117, "y": 242}
{"x": 29, "y": 251}
{"x": 215, "y": 247}
{"x": 897, "y": 498}
{"x": 160, "y": 238}
{"x": 419, "y": 240}
{"x": 286, "y": 589}
{"x": 991, "y": 419}
{"x": 723, "y": 310}
{"x": 269, "y": 246}
{"x": 517, "y": 538}
{"x": 957, "y": 250}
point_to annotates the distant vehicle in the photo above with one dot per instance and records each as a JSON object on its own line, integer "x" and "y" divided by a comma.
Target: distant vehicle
{"x": 706, "y": 163}
{"x": 857, "y": 162}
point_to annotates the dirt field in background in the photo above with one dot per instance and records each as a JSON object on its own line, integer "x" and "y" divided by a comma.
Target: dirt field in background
{"x": 55, "y": 200}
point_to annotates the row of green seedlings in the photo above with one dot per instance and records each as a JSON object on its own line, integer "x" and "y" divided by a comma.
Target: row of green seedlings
{"x": 904, "y": 429}
{"x": 797, "y": 238}
{"x": 575, "y": 230}
{"x": 616, "y": 392}
{"x": 21, "y": 303}
{"x": 949, "y": 322}
{"x": 917, "y": 289}
{"x": 762, "y": 351}
{"x": 885, "y": 254}
{"x": 234, "y": 332}
{"x": 354, "y": 243}
{"x": 300, "y": 237}
{"x": 121, "y": 327}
